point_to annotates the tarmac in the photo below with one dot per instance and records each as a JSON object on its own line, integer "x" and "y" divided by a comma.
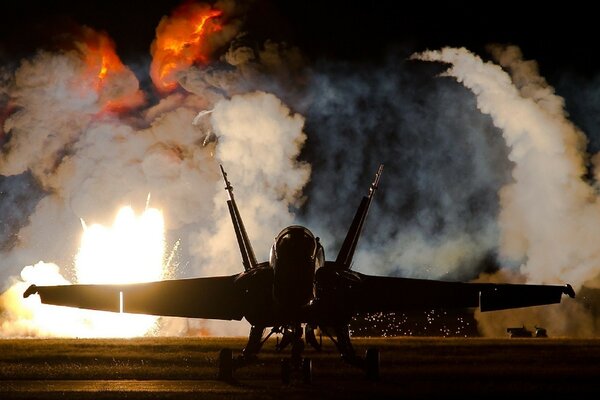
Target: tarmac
{"x": 424, "y": 368}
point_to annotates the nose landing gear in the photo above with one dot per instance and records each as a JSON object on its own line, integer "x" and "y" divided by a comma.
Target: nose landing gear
{"x": 296, "y": 363}
{"x": 288, "y": 368}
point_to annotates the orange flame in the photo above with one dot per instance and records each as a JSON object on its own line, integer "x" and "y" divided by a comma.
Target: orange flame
{"x": 100, "y": 57}
{"x": 182, "y": 40}
{"x": 105, "y": 70}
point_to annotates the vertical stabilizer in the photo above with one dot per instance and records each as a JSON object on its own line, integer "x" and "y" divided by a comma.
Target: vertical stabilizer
{"x": 248, "y": 257}
{"x": 344, "y": 258}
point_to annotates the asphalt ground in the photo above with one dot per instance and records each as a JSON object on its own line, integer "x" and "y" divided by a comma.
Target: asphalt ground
{"x": 153, "y": 368}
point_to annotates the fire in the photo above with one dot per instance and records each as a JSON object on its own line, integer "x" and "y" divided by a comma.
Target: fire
{"x": 100, "y": 56}
{"x": 115, "y": 84}
{"x": 131, "y": 250}
{"x": 181, "y": 41}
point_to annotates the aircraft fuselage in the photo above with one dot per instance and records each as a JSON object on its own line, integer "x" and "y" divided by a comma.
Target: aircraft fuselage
{"x": 295, "y": 256}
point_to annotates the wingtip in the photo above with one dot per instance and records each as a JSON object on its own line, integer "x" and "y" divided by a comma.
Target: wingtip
{"x": 569, "y": 291}
{"x": 30, "y": 290}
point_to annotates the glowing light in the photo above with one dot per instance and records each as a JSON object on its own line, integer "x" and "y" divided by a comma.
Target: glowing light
{"x": 100, "y": 56}
{"x": 131, "y": 250}
{"x": 182, "y": 40}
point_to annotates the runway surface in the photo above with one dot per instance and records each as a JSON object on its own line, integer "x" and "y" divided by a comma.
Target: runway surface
{"x": 186, "y": 368}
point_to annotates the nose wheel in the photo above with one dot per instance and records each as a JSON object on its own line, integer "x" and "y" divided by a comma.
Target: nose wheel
{"x": 372, "y": 363}
{"x": 225, "y": 365}
{"x": 288, "y": 368}
{"x": 307, "y": 370}
{"x": 295, "y": 363}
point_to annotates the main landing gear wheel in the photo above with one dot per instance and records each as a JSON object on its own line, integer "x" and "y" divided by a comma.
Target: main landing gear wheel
{"x": 307, "y": 370}
{"x": 225, "y": 365}
{"x": 286, "y": 370}
{"x": 372, "y": 363}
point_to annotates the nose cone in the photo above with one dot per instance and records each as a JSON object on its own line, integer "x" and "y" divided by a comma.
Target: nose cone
{"x": 294, "y": 266}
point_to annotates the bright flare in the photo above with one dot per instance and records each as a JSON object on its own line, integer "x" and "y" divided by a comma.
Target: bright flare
{"x": 131, "y": 250}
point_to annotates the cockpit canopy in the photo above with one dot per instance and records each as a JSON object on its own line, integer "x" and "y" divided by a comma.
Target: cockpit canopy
{"x": 298, "y": 243}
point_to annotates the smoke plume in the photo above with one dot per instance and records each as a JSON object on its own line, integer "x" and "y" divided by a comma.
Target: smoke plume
{"x": 90, "y": 160}
{"x": 549, "y": 212}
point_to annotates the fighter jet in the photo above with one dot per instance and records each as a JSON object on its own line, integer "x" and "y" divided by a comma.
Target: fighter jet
{"x": 296, "y": 292}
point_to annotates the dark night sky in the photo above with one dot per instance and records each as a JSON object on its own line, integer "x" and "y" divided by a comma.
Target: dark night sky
{"x": 558, "y": 37}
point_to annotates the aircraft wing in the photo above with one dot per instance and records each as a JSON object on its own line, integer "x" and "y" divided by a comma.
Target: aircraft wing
{"x": 376, "y": 293}
{"x": 213, "y": 297}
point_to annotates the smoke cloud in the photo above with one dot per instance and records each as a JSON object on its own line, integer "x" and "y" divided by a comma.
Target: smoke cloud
{"x": 549, "y": 212}
{"x": 90, "y": 161}
{"x": 434, "y": 214}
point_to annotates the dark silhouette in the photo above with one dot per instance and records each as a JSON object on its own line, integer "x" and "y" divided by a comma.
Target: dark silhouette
{"x": 296, "y": 292}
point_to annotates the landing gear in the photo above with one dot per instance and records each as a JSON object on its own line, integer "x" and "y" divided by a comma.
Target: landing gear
{"x": 288, "y": 367}
{"x": 225, "y": 365}
{"x": 311, "y": 338}
{"x": 286, "y": 371}
{"x": 293, "y": 336}
{"x": 307, "y": 370}
{"x": 372, "y": 363}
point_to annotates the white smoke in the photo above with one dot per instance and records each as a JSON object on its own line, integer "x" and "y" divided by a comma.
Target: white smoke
{"x": 259, "y": 140}
{"x": 434, "y": 215}
{"x": 49, "y": 84}
{"x": 23, "y": 319}
{"x": 420, "y": 256}
{"x": 549, "y": 213}
{"x": 92, "y": 162}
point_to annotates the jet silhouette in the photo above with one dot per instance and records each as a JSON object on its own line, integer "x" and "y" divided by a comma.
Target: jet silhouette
{"x": 295, "y": 293}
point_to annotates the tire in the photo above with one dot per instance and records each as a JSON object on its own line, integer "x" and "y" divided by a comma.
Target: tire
{"x": 225, "y": 365}
{"x": 286, "y": 370}
{"x": 372, "y": 363}
{"x": 307, "y": 370}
